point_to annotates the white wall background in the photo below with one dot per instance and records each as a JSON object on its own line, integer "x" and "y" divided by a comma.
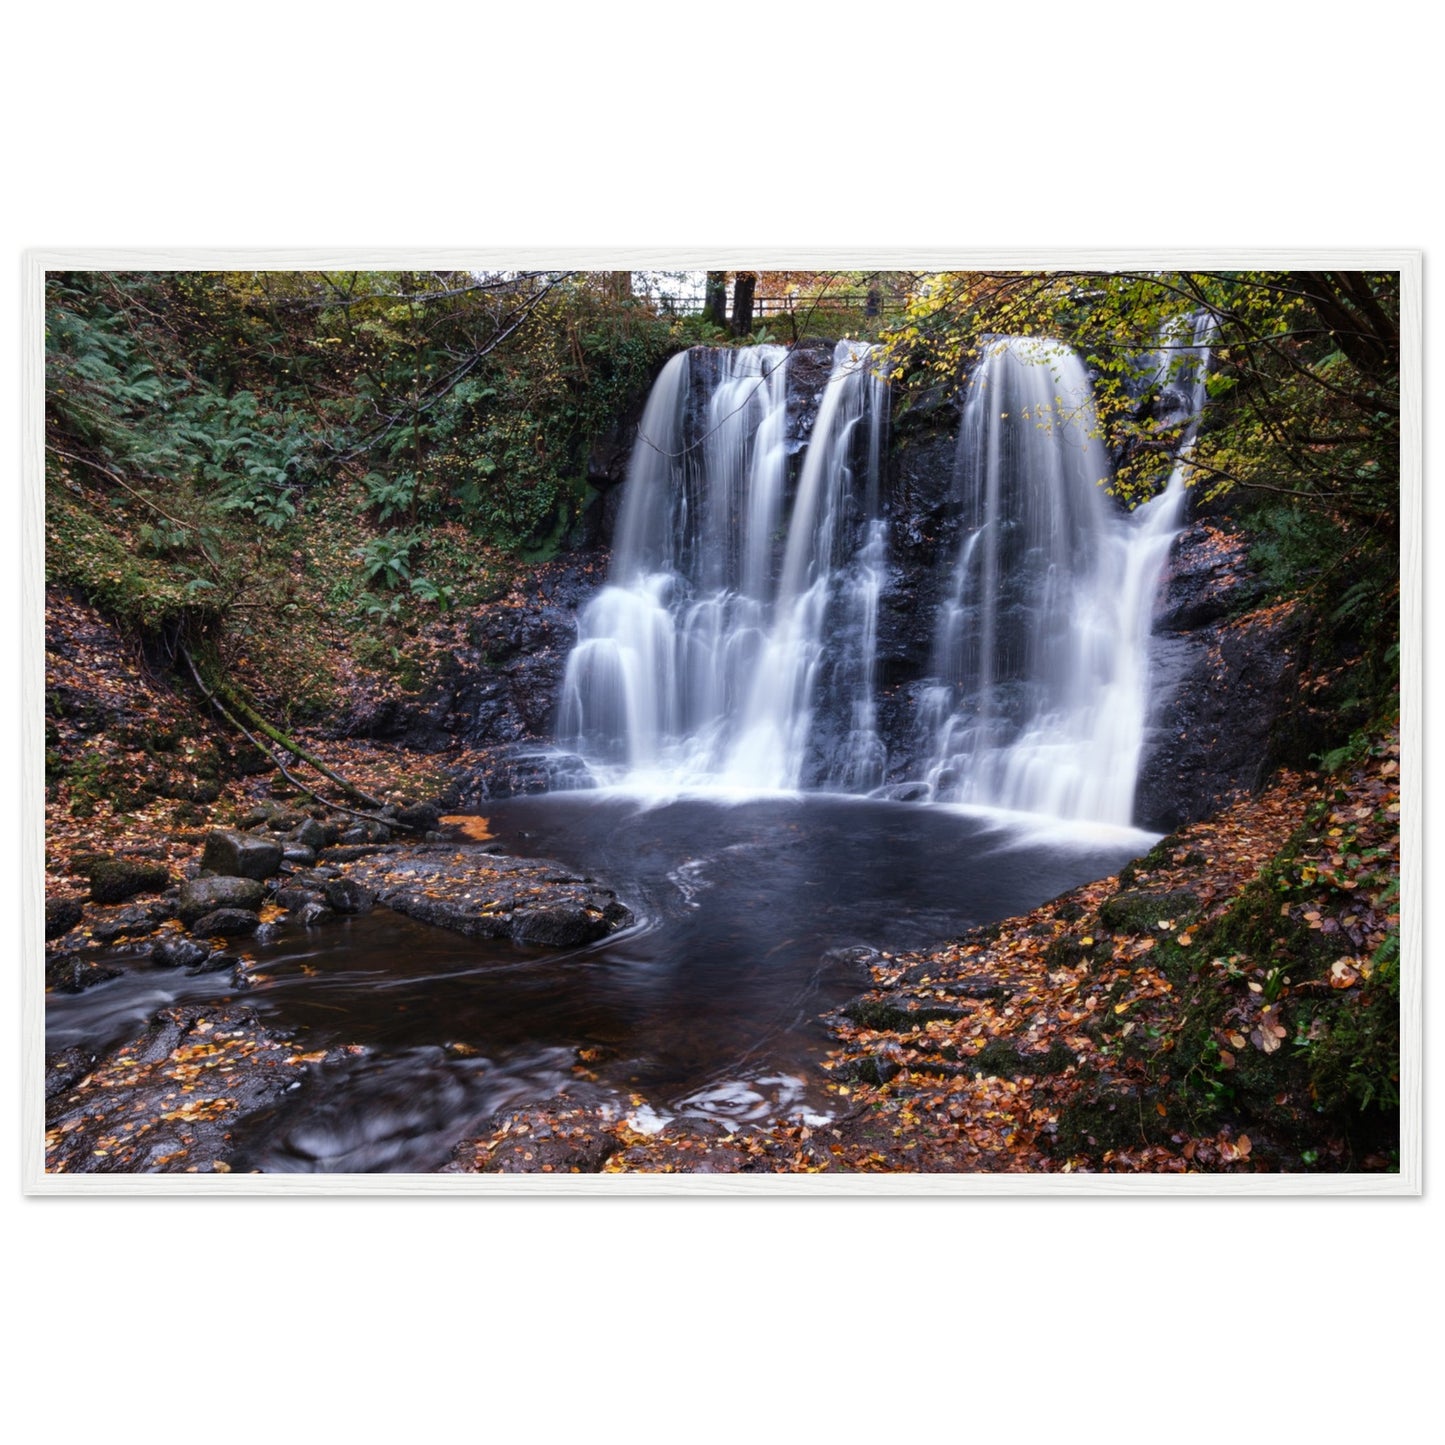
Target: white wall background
{"x": 1050, "y": 125}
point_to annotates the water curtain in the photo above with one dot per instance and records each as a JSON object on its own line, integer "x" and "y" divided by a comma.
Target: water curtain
{"x": 743, "y": 589}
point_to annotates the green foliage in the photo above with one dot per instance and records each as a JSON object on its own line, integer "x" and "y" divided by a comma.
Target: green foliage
{"x": 390, "y": 496}
{"x": 1305, "y": 368}
{"x": 203, "y": 427}
{"x": 88, "y": 784}
{"x": 425, "y": 590}
{"x": 387, "y": 559}
{"x": 1302, "y": 429}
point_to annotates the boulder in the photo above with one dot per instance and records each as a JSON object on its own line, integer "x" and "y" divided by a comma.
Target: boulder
{"x": 217, "y": 962}
{"x": 346, "y": 895}
{"x": 178, "y": 952}
{"x": 564, "y": 925}
{"x": 240, "y": 855}
{"x": 530, "y": 901}
{"x": 294, "y": 897}
{"x": 132, "y": 922}
{"x": 309, "y": 834}
{"x": 226, "y": 923}
{"x": 72, "y": 973}
{"x": 61, "y": 915}
{"x": 113, "y": 880}
{"x": 204, "y": 895}
{"x": 312, "y": 913}
{"x": 419, "y": 817}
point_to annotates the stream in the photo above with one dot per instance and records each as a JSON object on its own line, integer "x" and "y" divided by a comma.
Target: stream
{"x": 748, "y": 914}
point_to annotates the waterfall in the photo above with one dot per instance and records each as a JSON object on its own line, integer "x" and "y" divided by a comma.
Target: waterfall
{"x": 739, "y": 621}
{"x": 735, "y": 643}
{"x": 1040, "y": 697}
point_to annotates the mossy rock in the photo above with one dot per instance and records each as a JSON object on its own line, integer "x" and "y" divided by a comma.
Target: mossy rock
{"x": 113, "y": 880}
{"x": 894, "y": 1016}
{"x": 1138, "y": 912}
{"x": 871, "y": 1069}
{"x": 1159, "y": 856}
{"x": 999, "y": 1059}
{"x": 1105, "y": 1119}
{"x": 1069, "y": 950}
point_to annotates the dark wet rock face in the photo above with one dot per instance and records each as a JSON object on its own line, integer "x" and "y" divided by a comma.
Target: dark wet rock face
{"x": 519, "y": 770}
{"x": 1223, "y": 676}
{"x": 501, "y": 672}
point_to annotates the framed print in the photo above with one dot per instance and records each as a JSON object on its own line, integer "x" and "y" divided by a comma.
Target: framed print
{"x": 676, "y": 722}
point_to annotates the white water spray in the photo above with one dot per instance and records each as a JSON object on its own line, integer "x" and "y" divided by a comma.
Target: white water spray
{"x": 1041, "y": 655}
{"x": 734, "y": 601}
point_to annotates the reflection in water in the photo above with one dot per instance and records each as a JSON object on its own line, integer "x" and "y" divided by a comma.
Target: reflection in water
{"x": 708, "y": 1007}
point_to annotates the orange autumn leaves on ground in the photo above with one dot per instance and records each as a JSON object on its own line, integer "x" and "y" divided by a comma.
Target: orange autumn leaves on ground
{"x": 467, "y": 826}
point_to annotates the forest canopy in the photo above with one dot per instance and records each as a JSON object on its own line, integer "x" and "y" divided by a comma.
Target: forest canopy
{"x": 428, "y": 430}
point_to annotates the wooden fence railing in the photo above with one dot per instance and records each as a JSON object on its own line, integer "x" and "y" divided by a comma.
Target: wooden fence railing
{"x": 799, "y": 306}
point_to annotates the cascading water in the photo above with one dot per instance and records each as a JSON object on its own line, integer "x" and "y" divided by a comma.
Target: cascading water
{"x": 737, "y": 606}
{"x": 1041, "y": 653}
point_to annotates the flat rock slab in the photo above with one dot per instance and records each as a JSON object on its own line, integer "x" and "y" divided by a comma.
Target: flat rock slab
{"x": 168, "y": 1101}
{"x": 486, "y": 896}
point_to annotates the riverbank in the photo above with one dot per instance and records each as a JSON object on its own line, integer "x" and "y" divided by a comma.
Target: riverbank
{"x": 1223, "y": 1004}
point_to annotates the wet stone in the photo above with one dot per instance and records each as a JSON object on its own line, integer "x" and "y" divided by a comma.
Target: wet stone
{"x": 61, "y": 915}
{"x": 129, "y": 923}
{"x": 348, "y": 852}
{"x": 345, "y": 895}
{"x": 226, "y": 923}
{"x": 476, "y": 893}
{"x": 204, "y": 895}
{"x": 310, "y": 834}
{"x": 215, "y": 963}
{"x": 294, "y": 897}
{"x": 71, "y": 973}
{"x": 178, "y": 952}
{"x": 240, "y": 855}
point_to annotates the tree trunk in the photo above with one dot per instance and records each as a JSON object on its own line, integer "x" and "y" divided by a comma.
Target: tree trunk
{"x": 715, "y": 307}
{"x": 618, "y": 285}
{"x": 743, "y": 287}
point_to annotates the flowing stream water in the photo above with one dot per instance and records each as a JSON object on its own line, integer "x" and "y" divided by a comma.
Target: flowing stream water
{"x": 748, "y": 918}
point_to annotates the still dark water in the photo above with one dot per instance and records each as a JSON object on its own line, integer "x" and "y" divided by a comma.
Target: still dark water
{"x": 707, "y": 1006}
